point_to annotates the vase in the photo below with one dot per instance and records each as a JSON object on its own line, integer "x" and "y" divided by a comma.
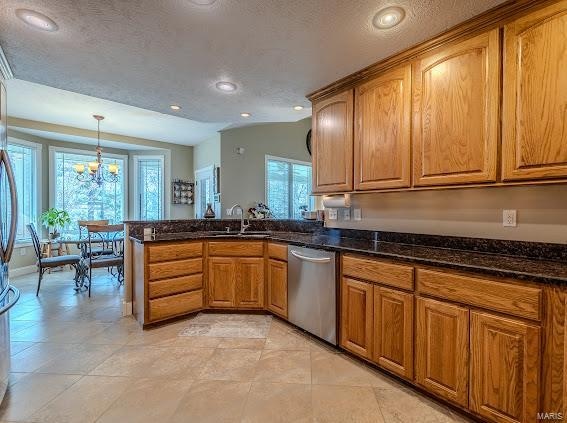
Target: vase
{"x": 209, "y": 213}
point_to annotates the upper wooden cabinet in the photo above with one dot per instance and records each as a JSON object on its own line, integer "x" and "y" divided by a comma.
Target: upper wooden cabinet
{"x": 382, "y": 131}
{"x": 332, "y": 143}
{"x": 535, "y": 95}
{"x": 505, "y": 362}
{"x": 455, "y": 122}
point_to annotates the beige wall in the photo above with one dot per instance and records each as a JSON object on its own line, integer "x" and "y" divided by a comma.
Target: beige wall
{"x": 207, "y": 153}
{"x": 243, "y": 176}
{"x": 472, "y": 212}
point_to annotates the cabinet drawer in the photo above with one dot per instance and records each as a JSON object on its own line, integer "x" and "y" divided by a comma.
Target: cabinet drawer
{"x": 236, "y": 249}
{"x": 175, "y": 305}
{"x": 523, "y": 301}
{"x": 395, "y": 275}
{"x": 277, "y": 251}
{"x": 172, "y": 269}
{"x": 173, "y": 286}
{"x": 174, "y": 251}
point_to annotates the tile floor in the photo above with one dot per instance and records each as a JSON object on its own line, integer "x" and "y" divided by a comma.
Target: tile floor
{"x": 75, "y": 359}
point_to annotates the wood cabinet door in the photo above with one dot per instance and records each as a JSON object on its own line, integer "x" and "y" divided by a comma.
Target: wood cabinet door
{"x": 442, "y": 349}
{"x": 277, "y": 287}
{"x": 250, "y": 282}
{"x": 332, "y": 138}
{"x": 382, "y": 131}
{"x": 222, "y": 281}
{"x": 534, "y": 121}
{"x": 505, "y": 361}
{"x": 456, "y": 113}
{"x": 393, "y": 330}
{"x": 356, "y": 317}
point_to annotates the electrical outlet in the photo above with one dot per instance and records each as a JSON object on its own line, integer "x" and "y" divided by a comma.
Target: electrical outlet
{"x": 229, "y": 212}
{"x": 357, "y": 214}
{"x": 23, "y": 251}
{"x": 509, "y": 218}
{"x": 346, "y": 214}
{"x": 332, "y": 214}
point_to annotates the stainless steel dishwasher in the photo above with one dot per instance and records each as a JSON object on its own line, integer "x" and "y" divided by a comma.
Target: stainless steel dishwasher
{"x": 312, "y": 291}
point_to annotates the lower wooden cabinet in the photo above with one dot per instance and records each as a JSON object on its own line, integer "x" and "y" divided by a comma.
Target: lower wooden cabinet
{"x": 356, "y": 317}
{"x": 175, "y": 305}
{"x": 442, "y": 349}
{"x": 249, "y": 282}
{"x": 277, "y": 287}
{"x": 221, "y": 281}
{"x": 167, "y": 280}
{"x": 505, "y": 362}
{"x": 236, "y": 282}
{"x": 393, "y": 331}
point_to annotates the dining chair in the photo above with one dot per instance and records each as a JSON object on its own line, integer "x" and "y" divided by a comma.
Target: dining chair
{"x": 104, "y": 247}
{"x": 46, "y": 263}
{"x": 113, "y": 236}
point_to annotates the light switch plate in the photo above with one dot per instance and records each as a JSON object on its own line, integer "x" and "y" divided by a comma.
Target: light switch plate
{"x": 346, "y": 214}
{"x": 357, "y": 214}
{"x": 332, "y": 214}
{"x": 23, "y": 251}
{"x": 509, "y": 218}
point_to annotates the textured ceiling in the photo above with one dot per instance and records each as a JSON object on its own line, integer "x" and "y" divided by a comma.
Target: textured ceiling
{"x": 151, "y": 53}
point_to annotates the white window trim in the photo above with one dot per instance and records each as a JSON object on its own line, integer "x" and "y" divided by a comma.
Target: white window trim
{"x": 39, "y": 177}
{"x": 281, "y": 159}
{"x": 123, "y": 179}
{"x": 166, "y": 182}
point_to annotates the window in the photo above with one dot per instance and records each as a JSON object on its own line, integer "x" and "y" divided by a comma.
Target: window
{"x": 24, "y": 161}
{"x": 149, "y": 188}
{"x": 86, "y": 200}
{"x": 288, "y": 187}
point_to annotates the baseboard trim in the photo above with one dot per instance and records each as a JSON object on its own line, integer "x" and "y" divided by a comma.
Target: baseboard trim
{"x": 26, "y": 270}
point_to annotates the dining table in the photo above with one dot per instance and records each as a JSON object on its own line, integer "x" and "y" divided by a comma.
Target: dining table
{"x": 83, "y": 266}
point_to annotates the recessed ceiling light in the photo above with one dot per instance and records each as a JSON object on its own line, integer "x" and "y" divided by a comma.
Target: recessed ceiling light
{"x": 245, "y": 114}
{"x": 37, "y": 20}
{"x": 202, "y": 2}
{"x": 388, "y": 17}
{"x": 175, "y": 107}
{"x": 226, "y": 86}
{"x": 298, "y": 108}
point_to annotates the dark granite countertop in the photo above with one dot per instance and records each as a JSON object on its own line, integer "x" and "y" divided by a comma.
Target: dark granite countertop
{"x": 525, "y": 268}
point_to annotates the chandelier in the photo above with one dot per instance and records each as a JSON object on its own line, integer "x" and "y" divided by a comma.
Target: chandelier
{"x": 97, "y": 173}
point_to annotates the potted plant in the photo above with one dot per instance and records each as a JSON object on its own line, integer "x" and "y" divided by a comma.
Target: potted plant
{"x": 55, "y": 219}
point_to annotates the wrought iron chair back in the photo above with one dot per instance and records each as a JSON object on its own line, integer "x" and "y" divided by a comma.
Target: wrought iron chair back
{"x": 113, "y": 237}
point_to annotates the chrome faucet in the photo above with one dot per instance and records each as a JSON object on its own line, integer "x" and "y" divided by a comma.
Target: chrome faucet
{"x": 243, "y": 226}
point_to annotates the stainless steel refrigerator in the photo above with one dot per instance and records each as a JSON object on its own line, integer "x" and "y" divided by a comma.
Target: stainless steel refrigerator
{"x": 8, "y": 215}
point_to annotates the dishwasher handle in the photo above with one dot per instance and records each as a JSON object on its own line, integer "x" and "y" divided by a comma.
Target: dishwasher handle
{"x": 311, "y": 259}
